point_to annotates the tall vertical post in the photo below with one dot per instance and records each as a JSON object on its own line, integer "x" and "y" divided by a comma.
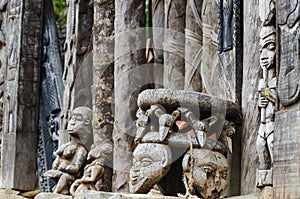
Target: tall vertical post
{"x": 286, "y": 173}
{"x": 103, "y": 78}
{"x": 129, "y": 56}
{"x": 22, "y": 31}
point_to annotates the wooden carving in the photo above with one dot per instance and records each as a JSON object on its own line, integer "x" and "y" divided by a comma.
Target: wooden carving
{"x": 150, "y": 163}
{"x": 289, "y": 64}
{"x": 267, "y": 101}
{"x": 72, "y": 156}
{"x": 94, "y": 170}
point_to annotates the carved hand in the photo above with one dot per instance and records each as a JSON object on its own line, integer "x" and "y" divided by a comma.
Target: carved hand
{"x": 263, "y": 101}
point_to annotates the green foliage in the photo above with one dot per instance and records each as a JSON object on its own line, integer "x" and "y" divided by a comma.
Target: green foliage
{"x": 60, "y": 10}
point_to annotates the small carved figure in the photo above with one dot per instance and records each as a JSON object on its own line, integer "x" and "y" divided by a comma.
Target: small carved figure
{"x": 94, "y": 171}
{"x": 142, "y": 124}
{"x": 166, "y": 121}
{"x": 200, "y": 127}
{"x": 267, "y": 97}
{"x": 205, "y": 172}
{"x": 72, "y": 155}
{"x": 150, "y": 163}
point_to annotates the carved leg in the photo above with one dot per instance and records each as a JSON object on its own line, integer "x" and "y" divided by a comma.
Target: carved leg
{"x": 62, "y": 183}
{"x": 270, "y": 140}
{"x": 262, "y": 152}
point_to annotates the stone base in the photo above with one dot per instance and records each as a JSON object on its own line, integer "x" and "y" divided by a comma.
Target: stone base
{"x": 266, "y": 193}
{"x": 264, "y": 178}
{"x": 108, "y": 195}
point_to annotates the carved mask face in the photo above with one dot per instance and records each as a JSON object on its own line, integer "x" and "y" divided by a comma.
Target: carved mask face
{"x": 209, "y": 172}
{"x": 150, "y": 164}
{"x": 268, "y": 44}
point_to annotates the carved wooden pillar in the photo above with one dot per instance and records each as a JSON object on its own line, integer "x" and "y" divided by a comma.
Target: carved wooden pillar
{"x": 103, "y": 78}
{"x": 193, "y": 46}
{"x": 22, "y": 33}
{"x": 174, "y": 41}
{"x": 286, "y": 173}
{"x": 129, "y": 56}
{"x": 78, "y": 60}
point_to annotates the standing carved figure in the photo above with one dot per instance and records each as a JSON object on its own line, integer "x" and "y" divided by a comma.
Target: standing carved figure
{"x": 72, "y": 155}
{"x": 267, "y": 100}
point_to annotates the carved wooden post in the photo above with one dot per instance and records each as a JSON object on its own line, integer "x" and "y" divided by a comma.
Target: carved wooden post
{"x": 251, "y": 69}
{"x": 78, "y": 60}
{"x": 267, "y": 93}
{"x": 193, "y": 45}
{"x": 174, "y": 44}
{"x": 286, "y": 173}
{"x": 129, "y": 55}
{"x": 158, "y": 38}
{"x": 22, "y": 32}
{"x": 103, "y": 78}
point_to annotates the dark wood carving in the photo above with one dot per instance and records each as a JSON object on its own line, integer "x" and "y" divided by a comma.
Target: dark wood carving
{"x": 289, "y": 64}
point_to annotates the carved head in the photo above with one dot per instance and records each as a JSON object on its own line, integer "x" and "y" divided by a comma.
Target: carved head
{"x": 268, "y": 47}
{"x": 209, "y": 172}
{"x": 98, "y": 151}
{"x": 80, "y": 125}
{"x": 150, "y": 163}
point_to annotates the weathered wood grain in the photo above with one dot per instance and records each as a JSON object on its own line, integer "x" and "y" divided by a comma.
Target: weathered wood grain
{"x": 21, "y": 97}
{"x": 128, "y": 74}
{"x": 103, "y": 79}
{"x": 251, "y": 71}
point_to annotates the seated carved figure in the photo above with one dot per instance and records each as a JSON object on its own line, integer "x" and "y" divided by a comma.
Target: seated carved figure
{"x": 72, "y": 155}
{"x": 205, "y": 172}
{"x": 94, "y": 171}
{"x": 151, "y": 162}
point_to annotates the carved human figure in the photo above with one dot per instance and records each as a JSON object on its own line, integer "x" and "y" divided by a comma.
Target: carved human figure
{"x": 150, "y": 163}
{"x": 205, "y": 172}
{"x": 267, "y": 97}
{"x": 72, "y": 155}
{"x": 93, "y": 171}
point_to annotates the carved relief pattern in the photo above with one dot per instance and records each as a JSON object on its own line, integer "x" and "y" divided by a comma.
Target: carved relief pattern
{"x": 289, "y": 63}
{"x": 267, "y": 93}
{"x": 3, "y": 63}
{"x": 23, "y": 44}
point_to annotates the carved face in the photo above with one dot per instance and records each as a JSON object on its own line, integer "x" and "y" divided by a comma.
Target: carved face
{"x": 209, "y": 172}
{"x": 150, "y": 164}
{"x": 268, "y": 44}
{"x": 80, "y": 123}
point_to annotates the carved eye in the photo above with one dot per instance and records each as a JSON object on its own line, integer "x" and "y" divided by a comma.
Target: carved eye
{"x": 146, "y": 162}
{"x": 224, "y": 175}
{"x": 141, "y": 124}
{"x": 169, "y": 123}
{"x": 271, "y": 47}
{"x": 207, "y": 169}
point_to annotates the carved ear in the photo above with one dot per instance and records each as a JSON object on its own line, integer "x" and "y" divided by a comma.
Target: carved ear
{"x": 211, "y": 120}
{"x": 175, "y": 114}
{"x": 166, "y": 160}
